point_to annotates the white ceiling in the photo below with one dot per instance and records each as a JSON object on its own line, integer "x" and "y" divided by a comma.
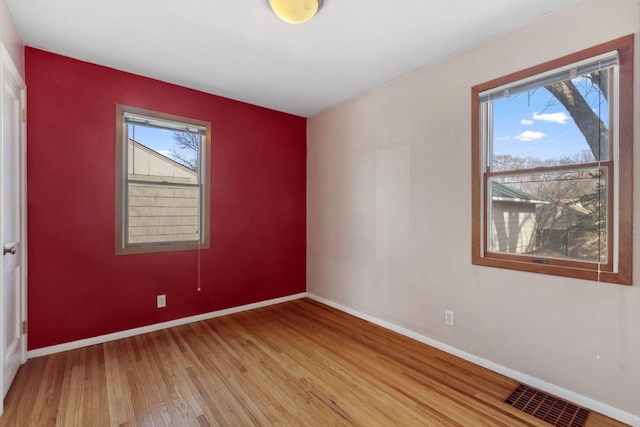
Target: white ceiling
{"x": 239, "y": 49}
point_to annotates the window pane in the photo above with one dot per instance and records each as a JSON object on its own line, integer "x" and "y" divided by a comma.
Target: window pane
{"x": 535, "y": 128}
{"x": 157, "y": 210}
{"x": 162, "y": 213}
{"x": 162, "y": 155}
{"x": 561, "y": 214}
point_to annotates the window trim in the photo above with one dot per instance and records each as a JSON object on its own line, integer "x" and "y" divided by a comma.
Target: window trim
{"x": 620, "y": 272}
{"x": 121, "y": 248}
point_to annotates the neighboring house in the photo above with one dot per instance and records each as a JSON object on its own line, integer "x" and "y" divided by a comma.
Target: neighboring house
{"x": 513, "y": 220}
{"x": 564, "y": 230}
{"x": 524, "y": 224}
{"x": 159, "y": 211}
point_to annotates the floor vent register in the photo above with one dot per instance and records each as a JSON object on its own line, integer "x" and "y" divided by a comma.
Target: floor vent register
{"x": 555, "y": 411}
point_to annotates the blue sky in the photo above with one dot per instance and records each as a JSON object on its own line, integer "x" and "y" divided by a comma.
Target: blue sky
{"x": 157, "y": 139}
{"x": 535, "y": 124}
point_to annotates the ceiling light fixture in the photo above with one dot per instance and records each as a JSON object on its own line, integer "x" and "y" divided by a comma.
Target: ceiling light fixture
{"x": 295, "y": 11}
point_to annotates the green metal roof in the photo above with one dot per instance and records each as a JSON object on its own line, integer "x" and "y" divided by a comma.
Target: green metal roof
{"x": 506, "y": 193}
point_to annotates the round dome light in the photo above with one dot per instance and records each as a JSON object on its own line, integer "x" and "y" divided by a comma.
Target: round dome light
{"x": 294, "y": 11}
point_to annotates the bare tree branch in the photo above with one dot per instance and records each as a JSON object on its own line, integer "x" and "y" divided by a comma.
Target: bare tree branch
{"x": 189, "y": 142}
{"x": 593, "y": 129}
{"x": 601, "y": 79}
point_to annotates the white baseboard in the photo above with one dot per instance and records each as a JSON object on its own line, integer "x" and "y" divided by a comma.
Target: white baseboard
{"x": 576, "y": 398}
{"x": 156, "y": 327}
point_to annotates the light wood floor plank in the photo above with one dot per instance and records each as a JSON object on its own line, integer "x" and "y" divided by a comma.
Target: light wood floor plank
{"x": 300, "y": 363}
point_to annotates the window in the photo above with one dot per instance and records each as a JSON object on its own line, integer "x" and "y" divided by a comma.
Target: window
{"x": 552, "y": 166}
{"x": 162, "y": 182}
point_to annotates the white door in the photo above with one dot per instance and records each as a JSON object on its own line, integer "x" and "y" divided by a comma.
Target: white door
{"x": 12, "y": 208}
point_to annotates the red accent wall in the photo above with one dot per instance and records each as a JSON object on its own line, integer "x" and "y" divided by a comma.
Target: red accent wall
{"x": 78, "y": 288}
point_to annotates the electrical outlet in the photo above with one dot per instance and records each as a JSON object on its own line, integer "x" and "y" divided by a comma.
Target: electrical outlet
{"x": 448, "y": 317}
{"x": 162, "y": 301}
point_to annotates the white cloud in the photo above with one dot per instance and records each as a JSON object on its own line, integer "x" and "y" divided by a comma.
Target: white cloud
{"x": 560, "y": 118}
{"x": 166, "y": 153}
{"x": 526, "y": 122}
{"x": 502, "y": 138}
{"x": 529, "y": 135}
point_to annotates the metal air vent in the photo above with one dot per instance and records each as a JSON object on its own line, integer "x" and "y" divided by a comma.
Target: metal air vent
{"x": 556, "y": 411}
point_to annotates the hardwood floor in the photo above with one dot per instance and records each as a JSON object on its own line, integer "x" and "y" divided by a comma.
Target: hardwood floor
{"x": 293, "y": 364}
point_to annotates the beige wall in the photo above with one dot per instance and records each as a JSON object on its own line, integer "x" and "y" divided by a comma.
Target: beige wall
{"x": 10, "y": 37}
{"x": 389, "y": 221}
